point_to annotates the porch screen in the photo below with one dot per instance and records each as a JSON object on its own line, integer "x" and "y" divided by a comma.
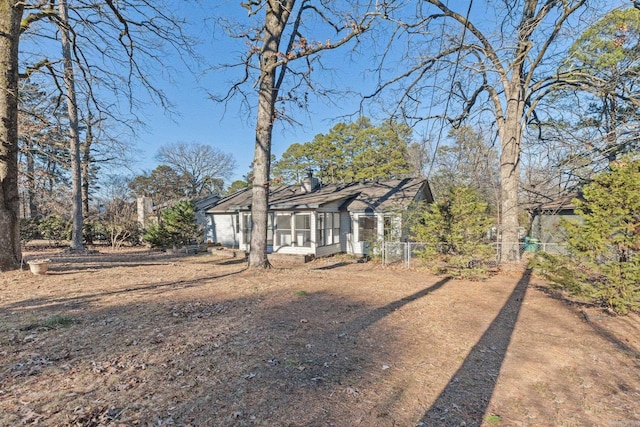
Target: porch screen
{"x": 328, "y": 228}
{"x": 283, "y": 229}
{"x": 367, "y": 226}
{"x": 335, "y": 230}
{"x": 246, "y": 229}
{"x": 320, "y": 235}
{"x": 303, "y": 229}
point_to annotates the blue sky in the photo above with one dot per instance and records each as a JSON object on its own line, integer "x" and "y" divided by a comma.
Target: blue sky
{"x": 204, "y": 121}
{"x": 195, "y": 117}
{"x": 226, "y": 127}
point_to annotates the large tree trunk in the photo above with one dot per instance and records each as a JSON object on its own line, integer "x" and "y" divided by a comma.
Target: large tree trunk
{"x": 10, "y": 252}
{"x": 510, "y": 132}
{"x": 74, "y": 137}
{"x": 277, "y": 15}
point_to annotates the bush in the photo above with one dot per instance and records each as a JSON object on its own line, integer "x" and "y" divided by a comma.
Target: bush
{"x": 55, "y": 229}
{"x": 454, "y": 229}
{"x": 117, "y": 233}
{"x": 29, "y": 229}
{"x": 157, "y": 236}
{"x": 177, "y": 227}
{"x": 604, "y": 266}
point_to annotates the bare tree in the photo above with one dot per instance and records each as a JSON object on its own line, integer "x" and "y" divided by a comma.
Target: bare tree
{"x": 10, "y": 18}
{"x": 494, "y": 71}
{"x": 118, "y": 220}
{"x": 74, "y": 131}
{"x": 111, "y": 48}
{"x": 201, "y": 165}
{"x": 282, "y": 41}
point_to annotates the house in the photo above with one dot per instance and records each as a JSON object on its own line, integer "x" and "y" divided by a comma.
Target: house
{"x": 320, "y": 220}
{"x": 545, "y": 224}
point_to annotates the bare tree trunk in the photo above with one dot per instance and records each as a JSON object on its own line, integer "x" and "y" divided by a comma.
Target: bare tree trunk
{"x": 510, "y": 132}
{"x": 10, "y": 251}
{"x": 277, "y": 15}
{"x": 85, "y": 169}
{"x": 30, "y": 181}
{"x": 74, "y": 137}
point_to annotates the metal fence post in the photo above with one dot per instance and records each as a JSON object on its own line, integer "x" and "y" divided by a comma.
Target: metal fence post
{"x": 407, "y": 251}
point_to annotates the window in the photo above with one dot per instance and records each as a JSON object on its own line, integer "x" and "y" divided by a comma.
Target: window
{"x": 367, "y": 228}
{"x": 335, "y": 234}
{"x": 320, "y": 234}
{"x": 246, "y": 228}
{"x": 303, "y": 229}
{"x": 390, "y": 229}
{"x": 270, "y": 229}
{"x": 283, "y": 229}
{"x": 328, "y": 228}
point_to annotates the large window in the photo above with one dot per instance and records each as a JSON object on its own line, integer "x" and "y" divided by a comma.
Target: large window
{"x": 246, "y": 228}
{"x": 283, "y": 229}
{"x": 320, "y": 232}
{"x": 270, "y": 229}
{"x": 367, "y": 228}
{"x": 303, "y": 229}
{"x": 328, "y": 228}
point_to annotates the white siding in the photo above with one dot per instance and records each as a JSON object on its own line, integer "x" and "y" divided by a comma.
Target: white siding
{"x": 223, "y": 230}
{"x": 329, "y": 250}
{"x": 360, "y": 248}
{"x": 346, "y": 233}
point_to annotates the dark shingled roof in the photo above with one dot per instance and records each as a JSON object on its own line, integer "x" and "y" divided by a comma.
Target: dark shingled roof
{"x": 354, "y": 196}
{"x": 561, "y": 203}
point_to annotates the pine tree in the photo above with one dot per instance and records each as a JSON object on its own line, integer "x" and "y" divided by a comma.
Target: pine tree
{"x": 603, "y": 266}
{"x": 177, "y": 227}
{"x": 454, "y": 229}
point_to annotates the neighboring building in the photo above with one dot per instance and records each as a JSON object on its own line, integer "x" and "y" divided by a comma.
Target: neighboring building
{"x": 320, "y": 219}
{"x": 545, "y": 224}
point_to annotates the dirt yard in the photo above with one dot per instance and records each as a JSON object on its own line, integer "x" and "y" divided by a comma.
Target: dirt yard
{"x": 139, "y": 339}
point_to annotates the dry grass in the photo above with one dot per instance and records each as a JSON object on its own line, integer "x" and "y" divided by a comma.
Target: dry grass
{"x": 141, "y": 338}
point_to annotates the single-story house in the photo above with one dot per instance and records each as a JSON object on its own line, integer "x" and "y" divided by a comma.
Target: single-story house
{"x": 545, "y": 224}
{"x": 320, "y": 220}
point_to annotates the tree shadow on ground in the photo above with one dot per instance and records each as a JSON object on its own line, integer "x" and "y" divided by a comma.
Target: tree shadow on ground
{"x": 199, "y": 359}
{"x": 465, "y": 400}
{"x": 579, "y": 308}
{"x": 332, "y": 266}
{"x": 59, "y": 269}
{"x": 53, "y": 304}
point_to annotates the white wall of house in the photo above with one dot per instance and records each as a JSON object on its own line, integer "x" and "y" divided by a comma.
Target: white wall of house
{"x": 346, "y": 233}
{"x": 360, "y": 244}
{"x": 329, "y": 240}
{"x": 294, "y": 235}
{"x": 223, "y": 229}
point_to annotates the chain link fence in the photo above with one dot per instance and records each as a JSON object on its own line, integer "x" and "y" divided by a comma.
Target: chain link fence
{"x": 407, "y": 253}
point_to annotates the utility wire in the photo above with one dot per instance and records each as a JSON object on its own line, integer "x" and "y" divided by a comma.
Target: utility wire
{"x": 453, "y": 80}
